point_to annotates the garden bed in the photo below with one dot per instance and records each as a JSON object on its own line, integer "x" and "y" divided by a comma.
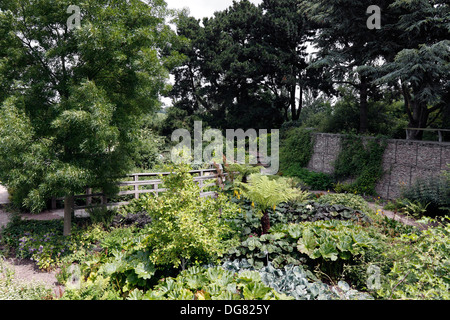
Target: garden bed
{"x": 181, "y": 246}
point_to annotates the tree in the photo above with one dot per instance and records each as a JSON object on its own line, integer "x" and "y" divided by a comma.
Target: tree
{"x": 223, "y": 79}
{"x": 348, "y": 49}
{"x": 420, "y": 66}
{"x": 69, "y": 99}
{"x": 286, "y": 33}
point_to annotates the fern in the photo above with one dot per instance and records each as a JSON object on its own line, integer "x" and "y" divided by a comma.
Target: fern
{"x": 266, "y": 193}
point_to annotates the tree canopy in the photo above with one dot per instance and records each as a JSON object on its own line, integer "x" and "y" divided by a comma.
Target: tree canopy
{"x": 253, "y": 66}
{"x": 70, "y": 98}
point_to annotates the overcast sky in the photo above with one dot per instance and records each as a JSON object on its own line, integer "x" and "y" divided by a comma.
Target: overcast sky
{"x": 203, "y": 8}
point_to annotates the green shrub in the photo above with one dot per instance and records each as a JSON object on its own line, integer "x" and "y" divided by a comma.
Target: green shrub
{"x": 325, "y": 243}
{"x": 332, "y": 240}
{"x": 40, "y": 241}
{"x": 421, "y": 265}
{"x": 14, "y": 289}
{"x": 295, "y": 151}
{"x": 275, "y": 248}
{"x": 296, "y": 282}
{"x": 360, "y": 161}
{"x": 186, "y": 228}
{"x": 431, "y": 191}
{"x": 313, "y": 211}
{"x": 292, "y": 212}
{"x": 101, "y": 215}
{"x": 315, "y": 180}
{"x": 353, "y": 201}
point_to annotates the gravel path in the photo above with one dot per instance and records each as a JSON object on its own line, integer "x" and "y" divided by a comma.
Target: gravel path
{"x": 26, "y": 270}
{"x": 4, "y": 196}
{"x": 396, "y": 216}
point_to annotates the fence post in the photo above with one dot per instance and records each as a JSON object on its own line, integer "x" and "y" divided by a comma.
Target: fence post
{"x": 53, "y": 203}
{"x": 68, "y": 209}
{"x": 88, "y": 199}
{"x": 136, "y": 187}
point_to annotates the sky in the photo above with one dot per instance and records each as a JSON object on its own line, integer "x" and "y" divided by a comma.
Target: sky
{"x": 203, "y": 8}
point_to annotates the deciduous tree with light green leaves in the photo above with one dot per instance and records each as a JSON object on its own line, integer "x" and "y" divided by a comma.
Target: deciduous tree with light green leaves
{"x": 70, "y": 98}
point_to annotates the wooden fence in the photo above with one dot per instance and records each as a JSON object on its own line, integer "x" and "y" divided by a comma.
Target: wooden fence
{"x": 141, "y": 183}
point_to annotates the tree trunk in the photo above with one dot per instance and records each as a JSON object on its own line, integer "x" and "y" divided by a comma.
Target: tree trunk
{"x": 363, "y": 107}
{"x": 68, "y": 209}
{"x": 419, "y": 120}
{"x": 293, "y": 96}
{"x": 265, "y": 222}
{"x": 418, "y": 114}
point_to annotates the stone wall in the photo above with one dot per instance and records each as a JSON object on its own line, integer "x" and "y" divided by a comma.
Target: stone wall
{"x": 403, "y": 161}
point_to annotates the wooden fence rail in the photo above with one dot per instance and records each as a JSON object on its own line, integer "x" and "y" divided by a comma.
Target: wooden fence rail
{"x": 141, "y": 183}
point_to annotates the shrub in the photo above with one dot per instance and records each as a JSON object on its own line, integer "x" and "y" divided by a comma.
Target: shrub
{"x": 315, "y": 180}
{"x": 40, "y": 241}
{"x": 353, "y": 201}
{"x": 266, "y": 193}
{"x": 101, "y": 215}
{"x": 296, "y": 282}
{"x": 421, "y": 265}
{"x": 295, "y": 151}
{"x": 313, "y": 211}
{"x": 186, "y": 228}
{"x": 362, "y": 161}
{"x": 275, "y": 248}
{"x": 431, "y": 191}
{"x": 14, "y": 289}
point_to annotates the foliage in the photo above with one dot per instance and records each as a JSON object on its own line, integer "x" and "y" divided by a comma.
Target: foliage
{"x": 292, "y": 212}
{"x": 70, "y": 99}
{"x": 266, "y": 193}
{"x": 128, "y": 270}
{"x": 353, "y": 201}
{"x": 362, "y": 161}
{"x": 421, "y": 265}
{"x": 40, "y": 241}
{"x": 243, "y": 171}
{"x": 140, "y": 220}
{"x": 97, "y": 289}
{"x": 295, "y": 151}
{"x": 314, "y": 211}
{"x": 314, "y": 180}
{"x": 44, "y": 243}
{"x": 431, "y": 191}
{"x": 213, "y": 283}
{"x": 331, "y": 243}
{"x": 415, "y": 209}
{"x": 332, "y": 240}
{"x": 101, "y": 215}
{"x": 148, "y": 146}
{"x": 275, "y": 248}
{"x": 186, "y": 228}
{"x": 296, "y": 282}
